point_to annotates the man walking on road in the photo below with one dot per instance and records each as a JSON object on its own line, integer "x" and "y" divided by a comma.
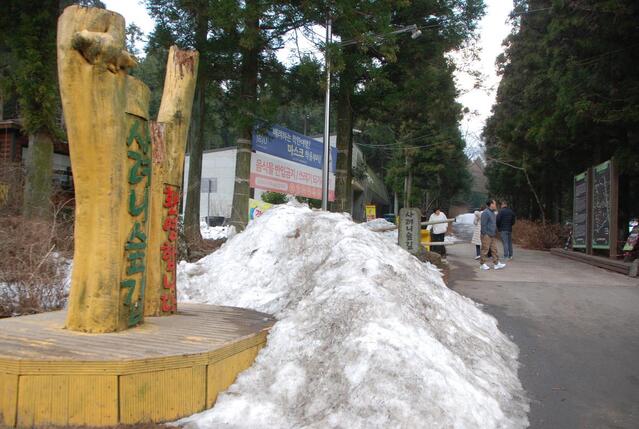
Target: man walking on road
{"x": 505, "y": 221}
{"x": 489, "y": 236}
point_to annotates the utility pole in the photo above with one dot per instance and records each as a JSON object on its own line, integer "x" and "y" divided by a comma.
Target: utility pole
{"x": 327, "y": 116}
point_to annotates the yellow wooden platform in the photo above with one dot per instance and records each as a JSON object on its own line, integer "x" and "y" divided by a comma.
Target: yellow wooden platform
{"x": 165, "y": 369}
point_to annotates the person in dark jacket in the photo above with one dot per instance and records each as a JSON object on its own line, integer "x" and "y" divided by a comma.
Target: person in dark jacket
{"x": 505, "y": 220}
{"x": 489, "y": 237}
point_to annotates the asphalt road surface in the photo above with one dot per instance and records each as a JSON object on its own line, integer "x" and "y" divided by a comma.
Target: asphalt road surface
{"x": 577, "y": 328}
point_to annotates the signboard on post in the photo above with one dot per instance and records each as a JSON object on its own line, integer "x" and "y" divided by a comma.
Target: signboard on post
{"x": 287, "y": 144}
{"x": 409, "y": 229}
{"x": 580, "y": 211}
{"x": 275, "y": 174}
{"x": 371, "y": 212}
{"x": 257, "y": 208}
{"x": 601, "y": 205}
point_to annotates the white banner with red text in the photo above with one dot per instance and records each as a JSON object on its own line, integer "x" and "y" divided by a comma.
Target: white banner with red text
{"x": 280, "y": 175}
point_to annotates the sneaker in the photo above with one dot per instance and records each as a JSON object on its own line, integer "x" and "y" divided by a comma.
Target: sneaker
{"x": 500, "y": 265}
{"x": 477, "y": 257}
{"x": 484, "y": 267}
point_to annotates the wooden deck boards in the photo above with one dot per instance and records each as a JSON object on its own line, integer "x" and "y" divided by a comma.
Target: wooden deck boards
{"x": 167, "y": 368}
{"x": 195, "y": 329}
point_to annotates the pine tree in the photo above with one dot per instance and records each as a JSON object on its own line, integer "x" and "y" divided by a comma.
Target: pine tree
{"x": 28, "y": 39}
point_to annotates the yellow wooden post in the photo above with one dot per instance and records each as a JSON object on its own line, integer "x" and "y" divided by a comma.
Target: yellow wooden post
{"x": 169, "y": 135}
{"x": 106, "y": 113}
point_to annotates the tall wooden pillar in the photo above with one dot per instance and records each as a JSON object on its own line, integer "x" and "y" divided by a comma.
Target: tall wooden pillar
{"x": 106, "y": 114}
{"x": 169, "y": 135}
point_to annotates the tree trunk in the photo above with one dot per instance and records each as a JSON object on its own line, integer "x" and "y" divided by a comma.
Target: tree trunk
{"x": 248, "y": 100}
{"x": 106, "y": 113}
{"x": 169, "y": 136}
{"x": 39, "y": 176}
{"x": 343, "y": 174}
{"x": 196, "y": 143}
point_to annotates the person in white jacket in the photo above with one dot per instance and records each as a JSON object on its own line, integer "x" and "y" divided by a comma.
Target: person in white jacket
{"x": 476, "y": 240}
{"x": 438, "y": 231}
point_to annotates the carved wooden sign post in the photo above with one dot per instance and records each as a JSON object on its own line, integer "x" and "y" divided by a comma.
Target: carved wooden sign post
{"x": 126, "y": 188}
{"x": 169, "y": 135}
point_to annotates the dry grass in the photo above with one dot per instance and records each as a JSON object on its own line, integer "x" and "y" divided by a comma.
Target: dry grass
{"x": 33, "y": 266}
{"x": 196, "y": 250}
{"x": 534, "y": 235}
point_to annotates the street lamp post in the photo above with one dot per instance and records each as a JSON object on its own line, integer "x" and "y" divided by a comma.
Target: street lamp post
{"x": 415, "y": 33}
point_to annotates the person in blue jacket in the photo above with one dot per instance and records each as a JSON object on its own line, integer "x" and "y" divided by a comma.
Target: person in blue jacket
{"x": 505, "y": 220}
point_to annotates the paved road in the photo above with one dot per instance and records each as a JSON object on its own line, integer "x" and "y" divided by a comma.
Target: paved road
{"x": 577, "y": 328}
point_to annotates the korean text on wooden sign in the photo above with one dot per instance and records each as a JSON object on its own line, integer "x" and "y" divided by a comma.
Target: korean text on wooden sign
{"x": 168, "y": 249}
{"x": 139, "y": 180}
{"x": 409, "y": 229}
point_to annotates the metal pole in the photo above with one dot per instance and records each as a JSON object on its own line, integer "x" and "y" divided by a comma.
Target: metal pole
{"x": 327, "y": 116}
{"x": 208, "y": 203}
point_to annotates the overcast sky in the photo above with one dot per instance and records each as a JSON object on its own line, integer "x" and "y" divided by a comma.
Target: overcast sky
{"x": 493, "y": 30}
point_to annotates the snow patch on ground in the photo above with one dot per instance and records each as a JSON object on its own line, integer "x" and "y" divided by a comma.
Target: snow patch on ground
{"x": 452, "y": 238}
{"x": 367, "y": 336}
{"x": 216, "y": 232}
{"x": 46, "y": 297}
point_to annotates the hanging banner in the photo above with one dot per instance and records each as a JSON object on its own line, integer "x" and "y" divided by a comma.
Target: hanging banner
{"x": 601, "y": 192}
{"x": 287, "y": 144}
{"x": 279, "y": 175}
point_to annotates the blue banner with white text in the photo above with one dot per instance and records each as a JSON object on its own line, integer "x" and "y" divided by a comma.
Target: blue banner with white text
{"x": 284, "y": 143}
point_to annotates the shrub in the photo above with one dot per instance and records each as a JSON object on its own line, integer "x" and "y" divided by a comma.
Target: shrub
{"x": 35, "y": 263}
{"x": 274, "y": 198}
{"x": 533, "y": 235}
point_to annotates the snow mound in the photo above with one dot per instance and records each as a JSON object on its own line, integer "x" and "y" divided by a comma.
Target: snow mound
{"x": 466, "y": 218}
{"x": 383, "y": 227}
{"x": 367, "y": 336}
{"x": 379, "y": 223}
{"x": 216, "y": 232}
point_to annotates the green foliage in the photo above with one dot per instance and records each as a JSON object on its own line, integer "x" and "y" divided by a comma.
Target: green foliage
{"x": 398, "y": 90}
{"x": 568, "y": 99}
{"x": 28, "y": 62}
{"x": 312, "y": 203}
{"x": 133, "y": 36}
{"x": 412, "y": 116}
{"x": 274, "y": 198}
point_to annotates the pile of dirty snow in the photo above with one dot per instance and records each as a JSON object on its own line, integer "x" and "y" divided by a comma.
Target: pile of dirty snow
{"x": 466, "y": 218}
{"x": 367, "y": 336}
{"x": 383, "y": 227}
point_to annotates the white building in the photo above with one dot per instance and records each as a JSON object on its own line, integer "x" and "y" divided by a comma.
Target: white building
{"x": 218, "y": 179}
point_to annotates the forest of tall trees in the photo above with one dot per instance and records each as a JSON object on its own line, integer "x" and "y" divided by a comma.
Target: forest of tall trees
{"x": 399, "y": 91}
{"x": 568, "y": 100}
